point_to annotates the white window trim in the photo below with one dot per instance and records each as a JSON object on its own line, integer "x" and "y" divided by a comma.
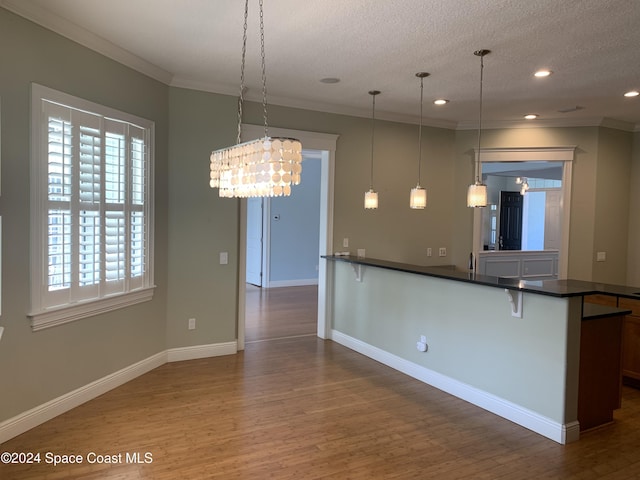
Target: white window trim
{"x": 42, "y": 318}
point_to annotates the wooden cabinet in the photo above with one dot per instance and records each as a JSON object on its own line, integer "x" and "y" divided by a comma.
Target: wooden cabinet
{"x": 630, "y": 334}
{"x": 599, "y": 385}
{"x": 631, "y": 342}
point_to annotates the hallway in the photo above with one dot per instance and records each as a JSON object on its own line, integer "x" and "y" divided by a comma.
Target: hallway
{"x": 282, "y": 312}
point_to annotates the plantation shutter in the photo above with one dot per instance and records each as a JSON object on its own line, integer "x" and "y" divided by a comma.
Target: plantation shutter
{"x": 96, "y": 225}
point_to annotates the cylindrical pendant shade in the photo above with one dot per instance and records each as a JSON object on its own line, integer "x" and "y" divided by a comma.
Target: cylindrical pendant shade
{"x": 418, "y": 198}
{"x": 477, "y": 195}
{"x": 370, "y": 199}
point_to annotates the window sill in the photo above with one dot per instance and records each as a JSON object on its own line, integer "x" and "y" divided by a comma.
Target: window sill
{"x": 59, "y": 316}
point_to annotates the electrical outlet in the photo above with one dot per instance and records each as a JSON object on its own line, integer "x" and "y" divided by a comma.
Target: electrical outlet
{"x": 345, "y": 242}
{"x": 192, "y": 324}
{"x": 224, "y": 258}
{"x": 429, "y": 252}
{"x": 442, "y": 252}
{"x": 361, "y": 252}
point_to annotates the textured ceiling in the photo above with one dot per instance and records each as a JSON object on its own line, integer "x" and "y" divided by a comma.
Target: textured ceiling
{"x": 590, "y": 45}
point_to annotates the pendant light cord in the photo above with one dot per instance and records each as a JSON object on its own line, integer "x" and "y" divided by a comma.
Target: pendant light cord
{"x": 373, "y": 126}
{"x": 420, "y": 131}
{"x": 264, "y": 70}
{"x": 481, "y": 54}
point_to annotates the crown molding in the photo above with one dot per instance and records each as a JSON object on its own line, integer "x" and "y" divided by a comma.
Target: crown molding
{"x": 94, "y": 42}
{"x": 553, "y": 123}
{"x": 86, "y": 38}
{"x": 256, "y": 96}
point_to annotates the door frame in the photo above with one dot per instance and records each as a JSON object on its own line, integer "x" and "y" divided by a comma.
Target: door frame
{"x": 564, "y": 154}
{"x": 326, "y": 144}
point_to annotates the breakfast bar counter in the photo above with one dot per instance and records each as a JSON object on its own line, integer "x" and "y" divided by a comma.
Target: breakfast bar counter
{"x": 512, "y": 347}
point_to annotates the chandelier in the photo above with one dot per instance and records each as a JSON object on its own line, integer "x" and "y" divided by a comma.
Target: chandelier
{"x": 265, "y": 167}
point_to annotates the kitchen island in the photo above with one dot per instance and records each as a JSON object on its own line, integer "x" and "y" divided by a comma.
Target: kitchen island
{"x": 509, "y": 346}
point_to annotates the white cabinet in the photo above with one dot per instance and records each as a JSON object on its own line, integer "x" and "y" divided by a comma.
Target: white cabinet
{"x": 530, "y": 265}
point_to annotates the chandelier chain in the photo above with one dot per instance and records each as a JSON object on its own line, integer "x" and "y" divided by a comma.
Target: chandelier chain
{"x": 264, "y": 72}
{"x": 244, "y": 54}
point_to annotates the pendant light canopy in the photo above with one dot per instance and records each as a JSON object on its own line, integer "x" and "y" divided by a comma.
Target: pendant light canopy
{"x": 265, "y": 167}
{"x": 418, "y": 195}
{"x": 477, "y": 193}
{"x": 371, "y": 197}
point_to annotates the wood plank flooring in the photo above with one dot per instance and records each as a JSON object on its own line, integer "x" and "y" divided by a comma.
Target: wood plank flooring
{"x": 306, "y": 408}
{"x": 280, "y": 312}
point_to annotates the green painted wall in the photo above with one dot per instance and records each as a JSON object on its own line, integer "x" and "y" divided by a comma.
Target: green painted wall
{"x": 37, "y": 367}
{"x": 599, "y": 200}
{"x": 471, "y": 334}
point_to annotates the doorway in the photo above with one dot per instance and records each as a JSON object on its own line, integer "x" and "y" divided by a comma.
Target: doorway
{"x": 526, "y": 157}
{"x": 326, "y": 145}
{"x": 282, "y": 236}
{"x": 510, "y": 237}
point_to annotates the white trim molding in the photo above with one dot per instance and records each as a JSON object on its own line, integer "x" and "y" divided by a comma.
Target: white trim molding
{"x": 36, "y": 416}
{"x": 59, "y": 316}
{"x": 558, "y": 432}
{"x": 325, "y": 144}
{"x": 202, "y": 351}
{"x": 293, "y": 283}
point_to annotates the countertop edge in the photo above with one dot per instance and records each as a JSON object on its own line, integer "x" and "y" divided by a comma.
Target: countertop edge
{"x": 553, "y": 288}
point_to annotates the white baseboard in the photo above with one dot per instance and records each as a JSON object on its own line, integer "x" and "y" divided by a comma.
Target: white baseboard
{"x": 293, "y": 283}
{"x": 36, "y": 416}
{"x": 202, "y": 351}
{"x": 561, "y": 433}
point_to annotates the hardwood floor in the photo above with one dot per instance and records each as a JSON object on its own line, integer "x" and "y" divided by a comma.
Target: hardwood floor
{"x": 280, "y": 312}
{"x": 306, "y": 408}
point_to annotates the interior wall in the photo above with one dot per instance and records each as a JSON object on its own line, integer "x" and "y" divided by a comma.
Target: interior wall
{"x": 295, "y": 230}
{"x": 583, "y": 201}
{"x": 611, "y": 233}
{"x": 633, "y": 245}
{"x": 202, "y": 225}
{"x": 36, "y": 367}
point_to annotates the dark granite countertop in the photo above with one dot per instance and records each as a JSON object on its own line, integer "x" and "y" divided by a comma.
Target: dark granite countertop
{"x": 592, "y": 311}
{"x": 554, "y": 288}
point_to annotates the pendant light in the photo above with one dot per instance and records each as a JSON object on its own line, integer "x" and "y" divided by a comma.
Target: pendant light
{"x": 371, "y": 197}
{"x": 477, "y": 193}
{"x": 418, "y": 195}
{"x": 265, "y": 167}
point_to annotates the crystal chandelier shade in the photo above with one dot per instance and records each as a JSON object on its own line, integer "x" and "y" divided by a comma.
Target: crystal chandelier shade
{"x": 266, "y": 167}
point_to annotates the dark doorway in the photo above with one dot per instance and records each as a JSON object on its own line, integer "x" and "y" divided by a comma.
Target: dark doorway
{"x": 510, "y": 221}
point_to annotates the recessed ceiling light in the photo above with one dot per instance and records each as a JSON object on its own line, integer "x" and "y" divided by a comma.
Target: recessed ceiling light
{"x": 531, "y": 116}
{"x": 329, "y": 80}
{"x": 441, "y": 101}
{"x": 632, "y": 93}
{"x": 543, "y": 73}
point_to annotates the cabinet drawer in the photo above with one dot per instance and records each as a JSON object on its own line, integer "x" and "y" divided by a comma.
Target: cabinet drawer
{"x": 631, "y": 304}
{"x": 601, "y": 299}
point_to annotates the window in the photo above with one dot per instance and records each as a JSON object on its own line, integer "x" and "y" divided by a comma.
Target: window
{"x": 91, "y": 210}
